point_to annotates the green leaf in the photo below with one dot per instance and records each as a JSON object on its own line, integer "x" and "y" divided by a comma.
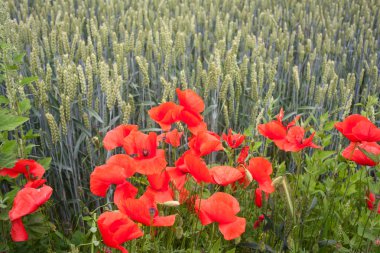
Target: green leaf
{"x": 8, "y": 154}
{"x": 373, "y": 157}
{"x": 9, "y": 122}
{"x": 25, "y": 106}
{"x": 329, "y": 125}
{"x": 249, "y": 131}
{"x": 312, "y": 205}
{"x": 95, "y": 115}
{"x": 151, "y": 130}
{"x": 256, "y": 246}
{"x": 30, "y": 135}
{"x": 28, "y": 80}
{"x": 209, "y": 109}
{"x": 4, "y": 100}
{"x": 216, "y": 247}
{"x": 322, "y": 155}
{"x": 18, "y": 58}
{"x": 45, "y": 162}
{"x": 325, "y": 243}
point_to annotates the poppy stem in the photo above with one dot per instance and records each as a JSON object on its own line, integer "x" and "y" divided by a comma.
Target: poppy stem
{"x": 288, "y": 198}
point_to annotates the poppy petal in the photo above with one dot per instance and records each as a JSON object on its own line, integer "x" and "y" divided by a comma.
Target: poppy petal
{"x": 234, "y": 229}
{"x": 258, "y": 198}
{"x": 260, "y": 169}
{"x": 18, "y": 232}
{"x": 273, "y": 130}
{"x": 154, "y": 165}
{"x": 124, "y": 191}
{"x": 105, "y": 175}
{"x": 114, "y": 138}
{"x": 353, "y": 152}
{"x": 177, "y": 177}
{"x": 29, "y": 168}
{"x": 190, "y": 100}
{"x": 225, "y": 175}
{"x": 198, "y": 169}
{"x": 159, "y": 181}
{"x": 28, "y": 200}
{"x": 366, "y": 131}
{"x": 116, "y": 228}
{"x": 164, "y": 221}
{"x": 166, "y": 114}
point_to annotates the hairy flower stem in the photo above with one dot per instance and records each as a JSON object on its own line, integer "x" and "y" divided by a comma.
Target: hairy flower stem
{"x": 288, "y": 198}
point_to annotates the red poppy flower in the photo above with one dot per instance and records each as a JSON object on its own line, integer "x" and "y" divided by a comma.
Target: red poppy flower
{"x": 173, "y": 137}
{"x": 233, "y": 140}
{"x": 29, "y": 168}
{"x": 117, "y": 169}
{"x": 358, "y": 128}
{"x": 353, "y": 152}
{"x": 204, "y": 143}
{"x": 221, "y": 208}
{"x": 288, "y": 138}
{"x": 294, "y": 140}
{"x": 144, "y": 210}
{"x": 149, "y": 160}
{"x": 260, "y": 169}
{"x": 258, "y": 198}
{"x": 166, "y": 114}
{"x": 27, "y": 201}
{"x": 115, "y": 137}
{"x": 243, "y": 155}
{"x": 193, "y": 106}
{"x": 371, "y": 200}
{"x": 116, "y": 228}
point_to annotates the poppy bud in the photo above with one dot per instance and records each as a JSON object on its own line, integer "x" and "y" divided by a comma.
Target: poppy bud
{"x": 248, "y": 175}
{"x": 171, "y": 203}
{"x": 178, "y": 232}
{"x": 276, "y": 181}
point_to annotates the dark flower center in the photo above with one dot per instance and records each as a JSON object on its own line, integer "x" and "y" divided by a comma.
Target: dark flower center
{"x": 145, "y": 152}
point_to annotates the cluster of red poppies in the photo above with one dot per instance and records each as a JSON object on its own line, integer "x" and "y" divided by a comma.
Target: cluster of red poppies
{"x": 168, "y": 184}
{"x": 363, "y": 135}
{"x": 34, "y": 194}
